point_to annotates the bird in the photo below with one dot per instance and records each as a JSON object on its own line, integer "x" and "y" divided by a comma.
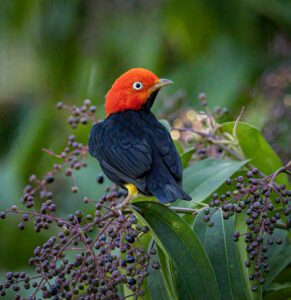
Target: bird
{"x": 135, "y": 151}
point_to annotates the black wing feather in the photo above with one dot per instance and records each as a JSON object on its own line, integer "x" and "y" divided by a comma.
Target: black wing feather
{"x": 166, "y": 148}
{"x": 121, "y": 148}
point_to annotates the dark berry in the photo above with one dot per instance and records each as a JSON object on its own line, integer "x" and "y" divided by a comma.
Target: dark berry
{"x": 53, "y": 290}
{"x": 228, "y": 181}
{"x": 130, "y": 259}
{"x": 59, "y": 105}
{"x": 206, "y": 219}
{"x": 100, "y": 178}
{"x": 25, "y": 218}
{"x": 131, "y": 281}
{"x": 214, "y": 196}
{"x": 49, "y": 179}
{"x": 249, "y": 174}
{"x": 202, "y": 96}
{"x": 129, "y": 238}
{"x": 21, "y": 226}
{"x": 240, "y": 179}
{"x": 254, "y": 288}
{"x": 74, "y": 189}
{"x": 236, "y": 233}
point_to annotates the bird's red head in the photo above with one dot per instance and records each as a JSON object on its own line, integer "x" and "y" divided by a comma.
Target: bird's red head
{"x": 132, "y": 90}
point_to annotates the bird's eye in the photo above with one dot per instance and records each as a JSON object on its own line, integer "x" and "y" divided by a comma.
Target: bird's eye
{"x": 137, "y": 85}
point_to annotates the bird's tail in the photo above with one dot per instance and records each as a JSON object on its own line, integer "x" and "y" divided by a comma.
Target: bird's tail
{"x": 169, "y": 193}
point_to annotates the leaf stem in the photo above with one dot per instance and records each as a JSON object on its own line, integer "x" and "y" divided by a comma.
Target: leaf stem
{"x": 282, "y": 226}
{"x": 184, "y": 210}
{"x": 236, "y": 122}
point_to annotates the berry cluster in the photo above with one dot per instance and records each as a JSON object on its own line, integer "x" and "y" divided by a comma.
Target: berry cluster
{"x": 102, "y": 261}
{"x": 80, "y": 115}
{"x": 218, "y": 112}
{"x": 73, "y": 158}
{"x": 266, "y": 206}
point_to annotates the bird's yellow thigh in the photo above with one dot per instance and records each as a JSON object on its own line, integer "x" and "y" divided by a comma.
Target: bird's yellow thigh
{"x": 132, "y": 190}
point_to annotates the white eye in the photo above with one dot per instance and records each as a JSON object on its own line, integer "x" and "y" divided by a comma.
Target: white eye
{"x": 137, "y": 85}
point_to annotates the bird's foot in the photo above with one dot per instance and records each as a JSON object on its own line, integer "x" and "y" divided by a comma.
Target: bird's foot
{"x": 124, "y": 204}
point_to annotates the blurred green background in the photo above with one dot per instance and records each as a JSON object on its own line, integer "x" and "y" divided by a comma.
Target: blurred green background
{"x": 238, "y": 52}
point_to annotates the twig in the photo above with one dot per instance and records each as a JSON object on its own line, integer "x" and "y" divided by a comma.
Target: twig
{"x": 51, "y": 153}
{"x": 236, "y": 121}
{"x": 277, "y": 173}
{"x": 192, "y": 130}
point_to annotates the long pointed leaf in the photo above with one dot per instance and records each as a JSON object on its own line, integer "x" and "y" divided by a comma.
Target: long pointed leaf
{"x": 157, "y": 282}
{"x": 181, "y": 244}
{"x": 220, "y": 248}
{"x": 167, "y": 269}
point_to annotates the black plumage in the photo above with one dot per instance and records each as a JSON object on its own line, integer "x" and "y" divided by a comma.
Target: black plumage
{"x": 134, "y": 147}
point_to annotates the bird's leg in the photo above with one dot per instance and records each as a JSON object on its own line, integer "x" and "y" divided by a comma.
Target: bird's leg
{"x": 126, "y": 201}
{"x": 132, "y": 193}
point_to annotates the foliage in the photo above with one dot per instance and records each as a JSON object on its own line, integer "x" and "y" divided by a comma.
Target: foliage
{"x": 108, "y": 253}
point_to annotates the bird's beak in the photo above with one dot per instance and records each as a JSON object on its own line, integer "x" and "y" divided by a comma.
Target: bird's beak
{"x": 160, "y": 83}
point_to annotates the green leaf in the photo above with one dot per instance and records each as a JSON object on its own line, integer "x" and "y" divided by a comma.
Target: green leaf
{"x": 156, "y": 281}
{"x": 180, "y": 243}
{"x": 204, "y": 177}
{"x": 255, "y": 147}
{"x": 185, "y": 157}
{"x": 280, "y": 292}
{"x": 178, "y": 147}
{"x": 274, "y": 250}
{"x": 240, "y": 225}
{"x": 220, "y": 248}
{"x": 277, "y": 264}
{"x": 167, "y": 269}
{"x": 166, "y": 124}
{"x": 278, "y": 286}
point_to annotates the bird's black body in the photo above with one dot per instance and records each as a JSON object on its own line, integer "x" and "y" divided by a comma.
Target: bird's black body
{"x": 134, "y": 147}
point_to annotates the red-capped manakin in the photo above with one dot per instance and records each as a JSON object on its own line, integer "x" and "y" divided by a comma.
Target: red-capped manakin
{"x": 134, "y": 149}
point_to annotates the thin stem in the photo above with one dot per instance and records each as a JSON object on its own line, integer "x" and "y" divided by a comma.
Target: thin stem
{"x": 102, "y": 231}
{"x": 277, "y": 173}
{"x": 184, "y": 210}
{"x": 51, "y": 153}
{"x": 192, "y": 130}
{"x": 237, "y": 121}
{"x": 282, "y": 226}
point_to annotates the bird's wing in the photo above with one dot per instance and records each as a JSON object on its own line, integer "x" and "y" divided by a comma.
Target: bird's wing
{"x": 123, "y": 150}
{"x": 168, "y": 152}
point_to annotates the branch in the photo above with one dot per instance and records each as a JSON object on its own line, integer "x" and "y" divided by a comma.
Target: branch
{"x": 192, "y": 130}
{"x": 279, "y": 171}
